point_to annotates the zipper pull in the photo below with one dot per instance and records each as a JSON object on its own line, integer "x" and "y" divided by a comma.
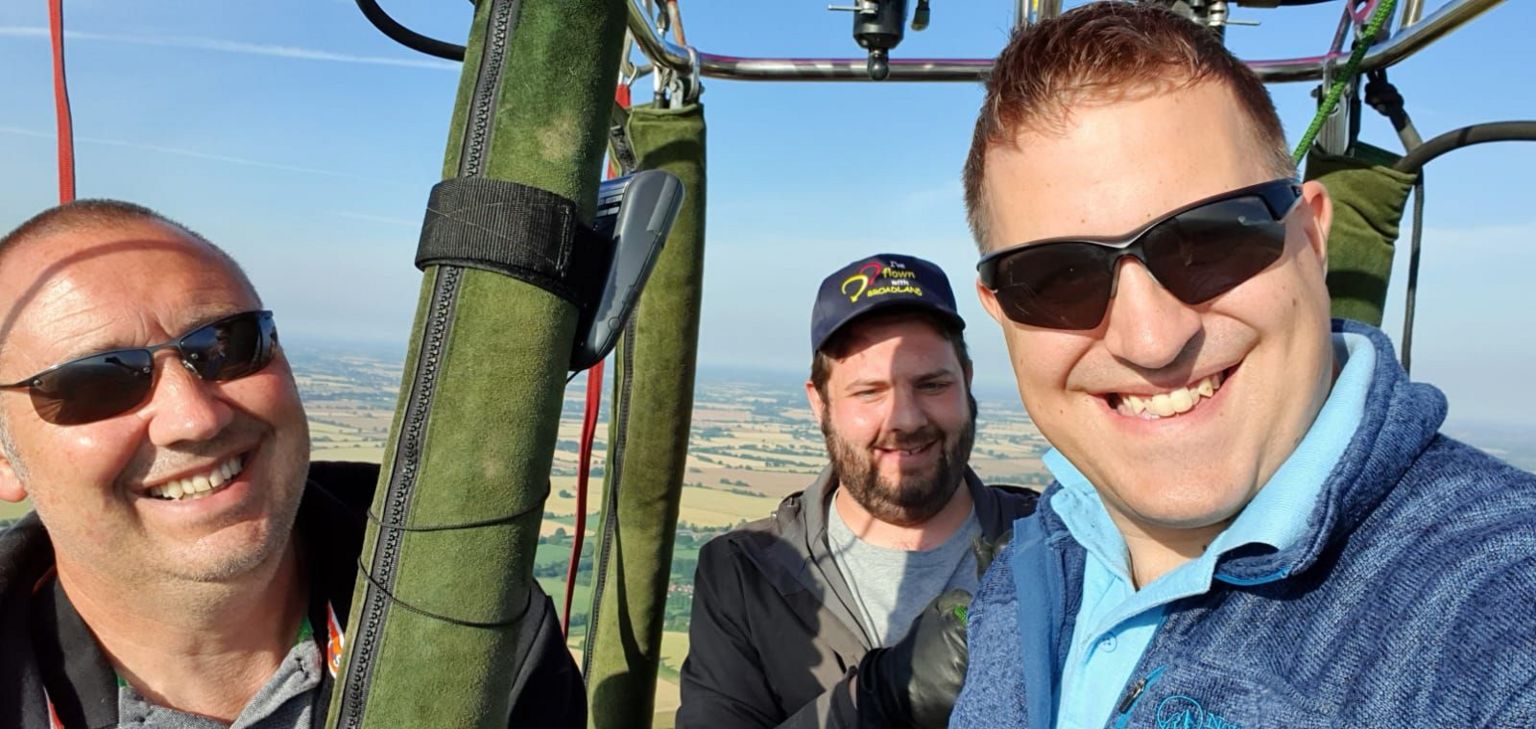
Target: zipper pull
{"x": 1132, "y": 694}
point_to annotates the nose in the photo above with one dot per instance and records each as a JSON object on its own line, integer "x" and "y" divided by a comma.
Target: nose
{"x": 1146, "y": 325}
{"x": 905, "y": 414}
{"x": 183, "y": 408}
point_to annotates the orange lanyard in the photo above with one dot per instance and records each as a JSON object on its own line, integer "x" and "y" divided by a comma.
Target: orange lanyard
{"x": 334, "y": 643}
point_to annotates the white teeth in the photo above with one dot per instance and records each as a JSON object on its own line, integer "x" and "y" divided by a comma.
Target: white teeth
{"x": 1165, "y": 404}
{"x": 200, "y": 485}
{"x": 1182, "y": 400}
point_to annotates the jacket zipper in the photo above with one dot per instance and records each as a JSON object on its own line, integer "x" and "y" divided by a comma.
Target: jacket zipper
{"x": 1133, "y": 696}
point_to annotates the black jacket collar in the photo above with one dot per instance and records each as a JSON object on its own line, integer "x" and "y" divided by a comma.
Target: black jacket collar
{"x": 62, "y": 654}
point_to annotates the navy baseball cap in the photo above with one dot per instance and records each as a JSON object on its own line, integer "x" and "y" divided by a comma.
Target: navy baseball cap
{"x": 881, "y": 281}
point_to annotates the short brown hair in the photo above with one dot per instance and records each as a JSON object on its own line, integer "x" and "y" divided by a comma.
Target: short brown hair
{"x": 836, "y": 347}
{"x": 1102, "y": 50}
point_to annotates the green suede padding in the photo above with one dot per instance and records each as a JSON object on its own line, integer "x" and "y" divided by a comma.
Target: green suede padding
{"x": 490, "y": 433}
{"x": 626, "y": 643}
{"x": 557, "y": 91}
{"x": 1368, "y": 201}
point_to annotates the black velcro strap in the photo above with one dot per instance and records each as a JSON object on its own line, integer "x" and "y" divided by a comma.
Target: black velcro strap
{"x": 513, "y": 229}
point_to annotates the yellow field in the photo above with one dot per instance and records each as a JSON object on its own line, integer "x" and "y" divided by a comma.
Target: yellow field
{"x": 349, "y": 452}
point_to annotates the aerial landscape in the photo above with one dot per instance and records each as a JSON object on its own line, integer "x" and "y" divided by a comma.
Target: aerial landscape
{"x": 753, "y": 442}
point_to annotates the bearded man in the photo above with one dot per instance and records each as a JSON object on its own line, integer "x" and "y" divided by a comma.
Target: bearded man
{"x": 820, "y": 614}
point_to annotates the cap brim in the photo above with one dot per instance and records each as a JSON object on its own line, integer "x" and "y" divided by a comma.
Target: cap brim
{"x": 887, "y": 306}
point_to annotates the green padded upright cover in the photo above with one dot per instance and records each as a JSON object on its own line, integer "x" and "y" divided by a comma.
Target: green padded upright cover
{"x": 627, "y": 617}
{"x": 446, "y": 565}
{"x": 1368, "y": 201}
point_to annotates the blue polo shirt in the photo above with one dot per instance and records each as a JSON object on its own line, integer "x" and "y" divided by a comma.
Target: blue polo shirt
{"x": 1116, "y": 622}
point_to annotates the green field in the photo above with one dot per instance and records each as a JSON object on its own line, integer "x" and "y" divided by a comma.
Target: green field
{"x": 9, "y": 511}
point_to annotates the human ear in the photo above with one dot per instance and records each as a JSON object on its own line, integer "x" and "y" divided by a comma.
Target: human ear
{"x": 814, "y": 398}
{"x": 989, "y": 302}
{"x": 11, "y": 487}
{"x": 1319, "y": 210}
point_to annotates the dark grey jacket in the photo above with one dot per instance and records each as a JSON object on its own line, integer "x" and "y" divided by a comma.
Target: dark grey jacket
{"x": 774, "y": 639}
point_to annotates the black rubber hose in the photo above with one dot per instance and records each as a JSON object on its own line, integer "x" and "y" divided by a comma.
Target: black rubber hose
{"x": 1510, "y": 131}
{"x": 407, "y": 37}
{"x": 1413, "y": 162}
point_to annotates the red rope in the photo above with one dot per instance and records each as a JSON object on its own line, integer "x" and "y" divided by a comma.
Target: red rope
{"x": 588, "y": 432}
{"x": 61, "y": 104}
{"x": 583, "y": 476}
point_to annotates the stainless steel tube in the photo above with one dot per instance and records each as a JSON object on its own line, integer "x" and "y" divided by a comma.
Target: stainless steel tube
{"x": 1404, "y": 43}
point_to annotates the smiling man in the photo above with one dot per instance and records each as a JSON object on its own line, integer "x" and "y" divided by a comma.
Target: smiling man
{"x": 186, "y": 566}
{"x": 838, "y": 611}
{"x": 1255, "y": 521}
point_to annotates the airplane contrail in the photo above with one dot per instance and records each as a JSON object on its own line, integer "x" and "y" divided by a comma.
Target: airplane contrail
{"x": 228, "y": 46}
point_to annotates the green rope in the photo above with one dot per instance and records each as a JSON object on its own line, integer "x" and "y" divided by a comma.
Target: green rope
{"x": 1336, "y": 91}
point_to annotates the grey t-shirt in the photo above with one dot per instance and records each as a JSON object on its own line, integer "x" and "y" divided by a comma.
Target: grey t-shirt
{"x": 892, "y": 586}
{"x": 287, "y": 701}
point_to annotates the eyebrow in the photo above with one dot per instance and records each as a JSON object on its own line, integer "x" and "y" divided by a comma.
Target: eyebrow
{"x": 924, "y": 377}
{"x": 197, "y": 315}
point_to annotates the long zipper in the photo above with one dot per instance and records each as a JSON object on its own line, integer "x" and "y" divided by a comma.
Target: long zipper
{"x": 397, "y": 500}
{"x": 442, "y": 305}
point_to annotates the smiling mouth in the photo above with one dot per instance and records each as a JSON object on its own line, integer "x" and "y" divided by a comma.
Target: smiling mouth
{"x": 909, "y": 451}
{"x": 200, "y": 485}
{"x": 1169, "y": 404}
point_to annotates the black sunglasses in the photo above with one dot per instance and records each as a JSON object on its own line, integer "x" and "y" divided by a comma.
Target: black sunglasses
{"x": 1197, "y": 252}
{"x": 111, "y": 383}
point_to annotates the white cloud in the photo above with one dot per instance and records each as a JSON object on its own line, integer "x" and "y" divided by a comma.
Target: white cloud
{"x": 194, "y": 154}
{"x": 226, "y": 46}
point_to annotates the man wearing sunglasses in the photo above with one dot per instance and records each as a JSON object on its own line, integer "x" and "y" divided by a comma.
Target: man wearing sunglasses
{"x": 1254, "y": 520}
{"x": 186, "y": 565}
{"x": 840, "y": 609}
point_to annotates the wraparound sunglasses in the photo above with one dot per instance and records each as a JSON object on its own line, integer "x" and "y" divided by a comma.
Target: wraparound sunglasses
{"x": 1197, "y": 252}
{"x": 111, "y": 383}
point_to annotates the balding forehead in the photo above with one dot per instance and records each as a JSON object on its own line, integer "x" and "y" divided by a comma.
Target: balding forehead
{"x": 29, "y": 262}
{"x": 102, "y": 288}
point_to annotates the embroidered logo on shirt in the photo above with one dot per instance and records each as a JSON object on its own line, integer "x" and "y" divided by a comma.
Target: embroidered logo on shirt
{"x": 1182, "y": 712}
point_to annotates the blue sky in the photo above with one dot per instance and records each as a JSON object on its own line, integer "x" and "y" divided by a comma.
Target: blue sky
{"x": 302, "y": 140}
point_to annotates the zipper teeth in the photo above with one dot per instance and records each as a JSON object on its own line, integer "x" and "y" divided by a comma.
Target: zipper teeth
{"x": 477, "y": 141}
{"x": 444, "y": 296}
{"x": 407, "y": 461}
{"x": 615, "y": 460}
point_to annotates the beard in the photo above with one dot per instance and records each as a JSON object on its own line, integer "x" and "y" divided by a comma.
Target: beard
{"x": 915, "y": 497}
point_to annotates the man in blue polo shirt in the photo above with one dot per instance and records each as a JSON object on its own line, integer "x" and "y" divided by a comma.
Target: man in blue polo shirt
{"x": 1255, "y": 520}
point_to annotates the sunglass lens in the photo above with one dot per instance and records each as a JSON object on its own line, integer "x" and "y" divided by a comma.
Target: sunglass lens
{"x": 1208, "y": 251}
{"x": 93, "y": 388}
{"x": 1056, "y": 285}
{"x": 230, "y": 348}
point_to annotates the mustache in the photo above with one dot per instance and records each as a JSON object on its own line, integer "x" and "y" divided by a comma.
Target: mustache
{"x": 905, "y": 441}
